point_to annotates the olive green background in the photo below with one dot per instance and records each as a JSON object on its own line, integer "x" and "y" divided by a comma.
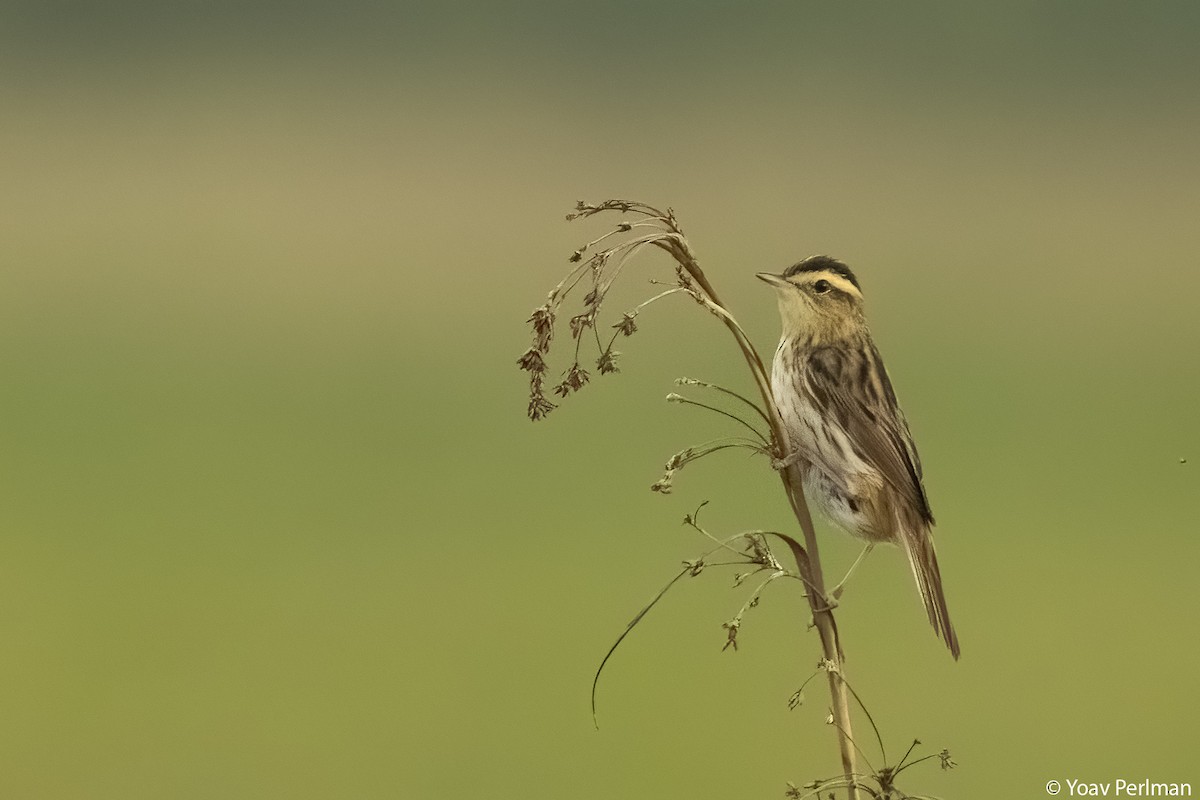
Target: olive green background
{"x": 272, "y": 521}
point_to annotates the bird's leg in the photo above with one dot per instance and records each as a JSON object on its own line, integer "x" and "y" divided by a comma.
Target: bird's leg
{"x": 780, "y": 464}
{"x": 837, "y": 590}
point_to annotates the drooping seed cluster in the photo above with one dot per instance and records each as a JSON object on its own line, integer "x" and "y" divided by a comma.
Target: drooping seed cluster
{"x": 599, "y": 272}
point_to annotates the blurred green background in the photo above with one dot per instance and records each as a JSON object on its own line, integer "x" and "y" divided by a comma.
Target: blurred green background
{"x": 272, "y": 521}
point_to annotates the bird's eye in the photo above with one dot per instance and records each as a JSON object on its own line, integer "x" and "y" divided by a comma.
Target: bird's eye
{"x": 822, "y": 286}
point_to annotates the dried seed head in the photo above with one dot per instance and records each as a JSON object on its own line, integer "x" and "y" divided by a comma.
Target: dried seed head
{"x": 581, "y": 322}
{"x": 607, "y": 362}
{"x": 539, "y": 407}
{"x": 683, "y": 278}
{"x": 542, "y": 321}
{"x": 532, "y": 361}
{"x": 757, "y": 549}
{"x": 627, "y": 326}
{"x": 581, "y": 208}
{"x": 576, "y": 377}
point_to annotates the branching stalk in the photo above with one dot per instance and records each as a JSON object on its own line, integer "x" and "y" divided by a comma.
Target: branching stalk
{"x": 660, "y": 229}
{"x": 807, "y": 557}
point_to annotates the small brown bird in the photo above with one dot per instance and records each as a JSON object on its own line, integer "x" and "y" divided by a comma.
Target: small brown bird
{"x": 847, "y": 433}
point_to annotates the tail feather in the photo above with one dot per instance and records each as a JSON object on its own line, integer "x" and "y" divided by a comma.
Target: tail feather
{"x": 918, "y": 544}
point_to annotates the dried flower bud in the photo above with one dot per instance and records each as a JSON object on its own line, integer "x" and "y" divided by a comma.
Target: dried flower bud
{"x": 674, "y": 398}
{"x": 577, "y": 256}
{"x": 663, "y": 484}
{"x": 624, "y": 227}
{"x": 731, "y": 629}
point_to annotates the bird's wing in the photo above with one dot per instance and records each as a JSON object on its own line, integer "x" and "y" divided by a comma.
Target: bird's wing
{"x": 875, "y": 425}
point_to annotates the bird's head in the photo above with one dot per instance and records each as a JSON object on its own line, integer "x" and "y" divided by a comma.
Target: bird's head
{"x": 818, "y": 297}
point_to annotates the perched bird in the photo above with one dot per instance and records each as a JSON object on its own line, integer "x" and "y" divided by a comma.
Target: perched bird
{"x": 847, "y": 433}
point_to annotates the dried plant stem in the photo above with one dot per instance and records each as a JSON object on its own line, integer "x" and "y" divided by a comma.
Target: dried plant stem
{"x": 807, "y": 558}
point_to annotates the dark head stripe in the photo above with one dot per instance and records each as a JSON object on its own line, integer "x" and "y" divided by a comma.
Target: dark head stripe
{"x": 822, "y": 263}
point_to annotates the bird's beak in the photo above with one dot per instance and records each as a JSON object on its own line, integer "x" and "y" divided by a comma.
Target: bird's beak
{"x": 771, "y": 278}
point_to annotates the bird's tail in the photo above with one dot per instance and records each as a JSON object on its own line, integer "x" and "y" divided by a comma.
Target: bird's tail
{"x": 918, "y": 543}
